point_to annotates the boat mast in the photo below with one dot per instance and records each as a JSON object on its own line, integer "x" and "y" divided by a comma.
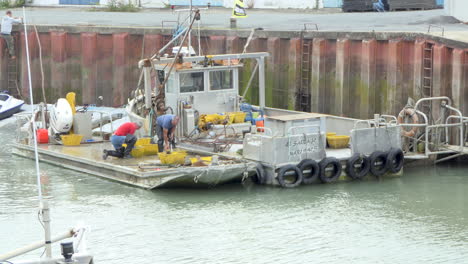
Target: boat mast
{"x": 190, "y": 32}
{"x": 43, "y": 205}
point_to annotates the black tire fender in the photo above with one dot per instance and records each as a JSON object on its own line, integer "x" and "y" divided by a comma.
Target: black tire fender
{"x": 375, "y": 157}
{"x": 282, "y": 172}
{"x": 395, "y": 160}
{"x": 336, "y": 169}
{"x": 362, "y": 171}
{"x": 312, "y": 165}
{"x": 259, "y": 177}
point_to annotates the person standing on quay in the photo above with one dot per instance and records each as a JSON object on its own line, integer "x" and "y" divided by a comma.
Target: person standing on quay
{"x": 7, "y": 25}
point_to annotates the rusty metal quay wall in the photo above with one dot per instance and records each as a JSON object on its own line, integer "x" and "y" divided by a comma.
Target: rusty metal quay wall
{"x": 349, "y": 74}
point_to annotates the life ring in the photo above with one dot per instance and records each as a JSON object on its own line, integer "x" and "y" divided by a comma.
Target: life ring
{"x": 282, "y": 173}
{"x": 375, "y": 158}
{"x": 395, "y": 160}
{"x": 414, "y": 117}
{"x": 336, "y": 169}
{"x": 357, "y": 172}
{"x": 259, "y": 177}
{"x": 311, "y": 165}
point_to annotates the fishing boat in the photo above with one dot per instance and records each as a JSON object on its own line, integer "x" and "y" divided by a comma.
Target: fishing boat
{"x": 9, "y": 105}
{"x": 290, "y": 148}
{"x": 221, "y": 138}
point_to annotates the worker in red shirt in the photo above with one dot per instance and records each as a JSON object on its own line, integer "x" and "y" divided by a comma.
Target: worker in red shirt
{"x": 123, "y": 134}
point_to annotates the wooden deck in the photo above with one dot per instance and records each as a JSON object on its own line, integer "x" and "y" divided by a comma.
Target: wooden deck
{"x": 87, "y": 158}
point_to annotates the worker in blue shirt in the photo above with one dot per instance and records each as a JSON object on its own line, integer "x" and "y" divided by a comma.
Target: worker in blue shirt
{"x": 165, "y": 128}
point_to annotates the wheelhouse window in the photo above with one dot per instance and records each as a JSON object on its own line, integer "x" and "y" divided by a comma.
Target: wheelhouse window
{"x": 221, "y": 80}
{"x": 3, "y": 97}
{"x": 171, "y": 84}
{"x": 191, "y": 82}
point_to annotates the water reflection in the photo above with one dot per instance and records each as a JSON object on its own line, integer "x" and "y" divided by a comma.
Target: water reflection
{"x": 421, "y": 216}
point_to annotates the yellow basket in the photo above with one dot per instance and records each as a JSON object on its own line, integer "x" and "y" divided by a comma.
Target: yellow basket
{"x": 71, "y": 140}
{"x": 151, "y": 149}
{"x": 143, "y": 141}
{"x": 337, "y": 142}
{"x": 331, "y": 134}
{"x": 208, "y": 159}
{"x": 214, "y": 118}
{"x": 231, "y": 117}
{"x": 175, "y": 157}
{"x": 138, "y": 151}
{"x": 237, "y": 117}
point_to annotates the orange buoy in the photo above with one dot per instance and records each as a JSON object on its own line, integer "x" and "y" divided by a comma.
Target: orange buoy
{"x": 42, "y": 136}
{"x": 260, "y": 123}
{"x": 414, "y": 117}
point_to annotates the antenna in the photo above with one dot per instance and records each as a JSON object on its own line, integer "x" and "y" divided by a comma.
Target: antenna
{"x": 32, "y": 109}
{"x": 43, "y": 205}
{"x": 190, "y": 33}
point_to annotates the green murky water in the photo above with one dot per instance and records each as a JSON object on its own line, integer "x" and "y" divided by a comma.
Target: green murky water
{"x": 419, "y": 218}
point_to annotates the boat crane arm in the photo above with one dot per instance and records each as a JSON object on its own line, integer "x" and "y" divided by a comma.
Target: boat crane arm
{"x": 168, "y": 44}
{"x": 252, "y": 55}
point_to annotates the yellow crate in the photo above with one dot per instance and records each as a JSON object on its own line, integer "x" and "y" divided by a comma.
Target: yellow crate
{"x": 143, "y": 141}
{"x": 231, "y": 117}
{"x": 337, "y": 142}
{"x": 71, "y": 140}
{"x": 237, "y": 117}
{"x": 175, "y": 157}
{"x": 208, "y": 159}
{"x": 214, "y": 118}
{"x": 151, "y": 149}
{"x": 138, "y": 152}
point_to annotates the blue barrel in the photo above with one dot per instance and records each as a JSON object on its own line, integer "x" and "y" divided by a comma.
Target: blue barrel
{"x": 440, "y": 2}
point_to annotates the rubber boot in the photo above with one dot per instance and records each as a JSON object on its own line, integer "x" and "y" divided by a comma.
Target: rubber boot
{"x": 130, "y": 140}
{"x": 115, "y": 153}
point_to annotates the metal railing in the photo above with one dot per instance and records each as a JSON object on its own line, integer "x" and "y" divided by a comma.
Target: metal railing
{"x": 445, "y": 103}
{"x": 101, "y": 124}
{"x": 382, "y": 121}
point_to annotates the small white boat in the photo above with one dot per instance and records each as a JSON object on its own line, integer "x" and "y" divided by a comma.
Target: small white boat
{"x": 9, "y": 105}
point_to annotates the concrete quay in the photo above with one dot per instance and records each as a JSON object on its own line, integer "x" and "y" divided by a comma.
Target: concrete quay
{"x": 360, "y": 63}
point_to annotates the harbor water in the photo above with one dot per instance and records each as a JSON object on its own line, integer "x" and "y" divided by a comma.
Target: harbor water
{"x": 421, "y": 217}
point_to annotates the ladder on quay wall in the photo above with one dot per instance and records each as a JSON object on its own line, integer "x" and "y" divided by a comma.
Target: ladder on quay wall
{"x": 426, "y": 92}
{"x": 12, "y": 78}
{"x": 304, "y": 91}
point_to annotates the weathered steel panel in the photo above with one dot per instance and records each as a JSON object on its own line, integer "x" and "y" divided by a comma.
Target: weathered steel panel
{"x": 368, "y": 140}
{"x": 353, "y": 77}
{"x": 281, "y": 150}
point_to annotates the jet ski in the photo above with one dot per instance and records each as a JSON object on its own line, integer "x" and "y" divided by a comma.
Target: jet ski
{"x": 9, "y": 105}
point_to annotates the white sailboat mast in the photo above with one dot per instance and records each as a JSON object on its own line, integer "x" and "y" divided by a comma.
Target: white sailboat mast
{"x": 43, "y": 205}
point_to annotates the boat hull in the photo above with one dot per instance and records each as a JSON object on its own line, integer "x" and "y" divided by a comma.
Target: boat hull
{"x": 123, "y": 171}
{"x": 10, "y": 112}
